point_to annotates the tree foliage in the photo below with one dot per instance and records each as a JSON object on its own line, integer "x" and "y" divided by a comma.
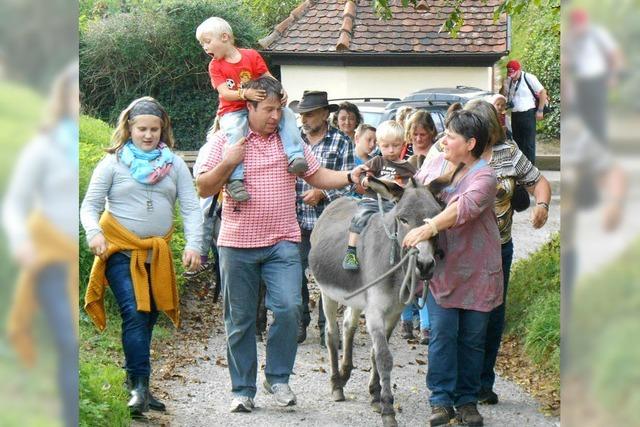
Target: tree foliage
{"x": 269, "y": 13}
{"x": 455, "y": 19}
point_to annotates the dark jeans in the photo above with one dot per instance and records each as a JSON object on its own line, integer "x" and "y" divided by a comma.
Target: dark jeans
{"x": 305, "y": 247}
{"x": 456, "y": 353}
{"x": 137, "y": 326}
{"x": 53, "y": 297}
{"x": 495, "y": 327}
{"x": 523, "y": 125}
{"x": 591, "y": 102}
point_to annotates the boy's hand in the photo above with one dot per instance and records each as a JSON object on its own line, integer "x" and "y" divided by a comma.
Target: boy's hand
{"x": 357, "y": 172}
{"x": 285, "y": 98}
{"x": 255, "y": 94}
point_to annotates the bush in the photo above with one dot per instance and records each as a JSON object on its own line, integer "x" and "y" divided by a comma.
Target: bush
{"x": 542, "y": 340}
{"x": 155, "y": 52}
{"x": 94, "y": 137}
{"x": 533, "y": 305}
{"x": 531, "y": 279}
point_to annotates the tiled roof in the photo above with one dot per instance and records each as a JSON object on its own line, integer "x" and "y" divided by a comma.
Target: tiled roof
{"x": 330, "y": 26}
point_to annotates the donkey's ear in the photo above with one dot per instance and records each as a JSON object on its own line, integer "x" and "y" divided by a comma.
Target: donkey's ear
{"x": 417, "y": 160}
{"x": 387, "y": 189}
{"x": 442, "y": 181}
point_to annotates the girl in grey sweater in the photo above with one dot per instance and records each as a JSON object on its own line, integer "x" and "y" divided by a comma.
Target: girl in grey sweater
{"x": 137, "y": 185}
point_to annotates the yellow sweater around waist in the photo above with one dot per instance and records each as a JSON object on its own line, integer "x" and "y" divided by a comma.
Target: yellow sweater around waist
{"x": 163, "y": 279}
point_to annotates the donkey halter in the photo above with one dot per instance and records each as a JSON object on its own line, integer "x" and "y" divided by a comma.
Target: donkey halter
{"x": 410, "y": 281}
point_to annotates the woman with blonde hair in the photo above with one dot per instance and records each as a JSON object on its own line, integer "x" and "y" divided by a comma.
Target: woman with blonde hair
{"x": 141, "y": 179}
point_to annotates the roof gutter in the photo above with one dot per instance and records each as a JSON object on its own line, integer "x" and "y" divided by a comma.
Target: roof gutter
{"x": 365, "y": 59}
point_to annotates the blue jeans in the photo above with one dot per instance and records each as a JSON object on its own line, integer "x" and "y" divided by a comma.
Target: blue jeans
{"x": 53, "y": 297}
{"x": 235, "y": 125}
{"x": 456, "y": 353}
{"x": 411, "y": 310}
{"x": 495, "y": 326}
{"x": 137, "y": 326}
{"x": 241, "y": 270}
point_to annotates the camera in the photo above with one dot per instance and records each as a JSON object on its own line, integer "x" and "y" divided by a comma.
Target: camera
{"x": 509, "y": 105}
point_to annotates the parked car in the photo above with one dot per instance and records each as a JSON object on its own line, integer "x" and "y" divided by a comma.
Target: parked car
{"x": 435, "y": 100}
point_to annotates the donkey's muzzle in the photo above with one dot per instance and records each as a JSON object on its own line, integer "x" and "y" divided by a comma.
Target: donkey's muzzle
{"x": 425, "y": 268}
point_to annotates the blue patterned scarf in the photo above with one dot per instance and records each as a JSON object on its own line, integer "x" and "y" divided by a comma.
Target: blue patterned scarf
{"x": 147, "y": 167}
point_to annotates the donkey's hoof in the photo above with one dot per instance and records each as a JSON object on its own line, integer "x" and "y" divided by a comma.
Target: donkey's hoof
{"x": 376, "y": 406}
{"x": 338, "y": 395}
{"x": 389, "y": 420}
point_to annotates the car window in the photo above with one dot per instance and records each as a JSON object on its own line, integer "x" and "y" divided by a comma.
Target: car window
{"x": 371, "y": 118}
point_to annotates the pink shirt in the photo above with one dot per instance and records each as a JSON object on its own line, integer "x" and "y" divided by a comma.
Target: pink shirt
{"x": 470, "y": 276}
{"x": 269, "y": 216}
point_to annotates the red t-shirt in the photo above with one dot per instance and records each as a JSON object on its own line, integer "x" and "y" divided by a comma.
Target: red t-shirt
{"x": 250, "y": 66}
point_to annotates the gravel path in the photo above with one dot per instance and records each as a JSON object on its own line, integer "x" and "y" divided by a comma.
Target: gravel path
{"x": 191, "y": 374}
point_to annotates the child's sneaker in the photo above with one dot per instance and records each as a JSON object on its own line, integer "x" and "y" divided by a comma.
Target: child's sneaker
{"x": 298, "y": 166}
{"x": 350, "y": 261}
{"x": 237, "y": 191}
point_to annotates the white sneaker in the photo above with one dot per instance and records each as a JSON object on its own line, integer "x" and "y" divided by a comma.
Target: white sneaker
{"x": 282, "y": 393}
{"x": 242, "y": 404}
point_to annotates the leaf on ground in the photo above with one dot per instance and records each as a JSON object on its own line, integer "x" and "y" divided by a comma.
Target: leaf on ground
{"x": 420, "y": 362}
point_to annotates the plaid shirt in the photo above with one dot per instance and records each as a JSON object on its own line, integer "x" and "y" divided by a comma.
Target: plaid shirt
{"x": 335, "y": 152}
{"x": 269, "y": 216}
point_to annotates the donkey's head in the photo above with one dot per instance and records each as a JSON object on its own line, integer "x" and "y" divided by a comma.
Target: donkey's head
{"x": 415, "y": 202}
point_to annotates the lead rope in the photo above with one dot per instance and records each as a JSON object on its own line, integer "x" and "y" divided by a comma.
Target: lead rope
{"x": 411, "y": 254}
{"x": 392, "y": 236}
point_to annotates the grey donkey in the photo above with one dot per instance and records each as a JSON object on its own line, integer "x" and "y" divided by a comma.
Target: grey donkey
{"x": 380, "y": 303}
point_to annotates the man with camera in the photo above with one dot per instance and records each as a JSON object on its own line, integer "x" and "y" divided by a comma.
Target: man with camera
{"x": 527, "y": 100}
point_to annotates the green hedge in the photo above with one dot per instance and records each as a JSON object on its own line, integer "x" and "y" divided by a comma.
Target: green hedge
{"x": 533, "y": 305}
{"x": 153, "y": 51}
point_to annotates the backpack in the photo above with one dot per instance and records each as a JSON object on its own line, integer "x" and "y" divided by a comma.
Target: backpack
{"x": 546, "y": 109}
